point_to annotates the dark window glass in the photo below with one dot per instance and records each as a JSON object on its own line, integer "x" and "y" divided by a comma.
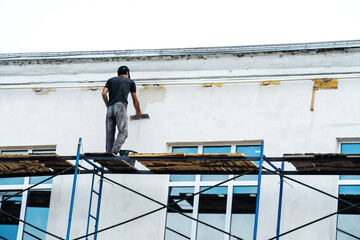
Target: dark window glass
{"x": 8, "y": 225}
{"x": 178, "y": 227}
{"x": 12, "y": 207}
{"x": 177, "y": 193}
{"x": 351, "y": 194}
{"x": 244, "y": 200}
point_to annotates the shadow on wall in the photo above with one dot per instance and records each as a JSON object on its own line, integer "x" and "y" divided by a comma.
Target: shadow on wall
{"x": 151, "y": 95}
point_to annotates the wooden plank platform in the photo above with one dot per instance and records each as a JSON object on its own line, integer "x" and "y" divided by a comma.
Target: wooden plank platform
{"x": 329, "y": 162}
{"x": 31, "y": 163}
{"x": 182, "y": 155}
{"x": 181, "y": 162}
{"x": 99, "y": 154}
{"x": 23, "y": 166}
{"x": 110, "y": 161}
{"x": 116, "y": 165}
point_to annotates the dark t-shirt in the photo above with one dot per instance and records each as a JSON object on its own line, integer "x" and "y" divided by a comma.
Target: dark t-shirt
{"x": 119, "y": 88}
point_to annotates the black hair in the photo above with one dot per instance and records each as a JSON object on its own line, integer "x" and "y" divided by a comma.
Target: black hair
{"x": 123, "y": 70}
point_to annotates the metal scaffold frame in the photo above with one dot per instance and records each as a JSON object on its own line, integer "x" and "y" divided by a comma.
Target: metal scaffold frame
{"x": 100, "y": 171}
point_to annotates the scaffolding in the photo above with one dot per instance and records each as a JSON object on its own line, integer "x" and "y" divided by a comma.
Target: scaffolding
{"x": 238, "y": 164}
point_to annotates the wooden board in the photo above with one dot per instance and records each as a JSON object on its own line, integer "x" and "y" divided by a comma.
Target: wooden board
{"x": 99, "y": 154}
{"x": 18, "y": 156}
{"x": 194, "y": 162}
{"x": 57, "y": 166}
{"x": 32, "y": 163}
{"x": 331, "y": 162}
{"x": 110, "y": 161}
{"x": 198, "y": 165}
{"x": 226, "y": 155}
{"x": 158, "y": 155}
{"x": 182, "y": 155}
{"x": 116, "y": 165}
{"x": 20, "y": 167}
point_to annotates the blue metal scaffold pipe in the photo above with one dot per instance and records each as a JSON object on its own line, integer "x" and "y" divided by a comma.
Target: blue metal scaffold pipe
{"x": 99, "y": 203}
{"x": 90, "y": 204}
{"x": 73, "y": 190}
{"x": 258, "y": 190}
{"x": 280, "y": 202}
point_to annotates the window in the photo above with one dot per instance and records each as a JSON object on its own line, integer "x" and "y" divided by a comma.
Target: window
{"x": 177, "y": 225}
{"x": 13, "y": 180}
{"x": 230, "y": 207}
{"x": 249, "y": 151}
{"x": 37, "y": 211}
{"x": 32, "y": 206}
{"x": 31, "y": 149}
{"x": 212, "y": 210}
{"x": 8, "y": 225}
{"x": 350, "y": 148}
{"x": 215, "y": 149}
{"x": 348, "y": 221}
{"x": 243, "y": 211}
{"x": 349, "y": 190}
{"x": 178, "y": 177}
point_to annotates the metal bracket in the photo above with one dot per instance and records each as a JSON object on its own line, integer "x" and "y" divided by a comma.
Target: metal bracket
{"x": 212, "y": 84}
{"x": 146, "y": 86}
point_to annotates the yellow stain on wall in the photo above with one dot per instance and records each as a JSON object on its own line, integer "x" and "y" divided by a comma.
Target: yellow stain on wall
{"x": 325, "y": 83}
{"x": 212, "y": 84}
{"x": 266, "y": 83}
{"x": 320, "y": 84}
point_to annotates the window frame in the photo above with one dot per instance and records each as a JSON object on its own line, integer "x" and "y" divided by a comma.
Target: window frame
{"x": 198, "y": 183}
{"x": 345, "y": 182}
{"x": 26, "y": 184}
{"x": 347, "y": 141}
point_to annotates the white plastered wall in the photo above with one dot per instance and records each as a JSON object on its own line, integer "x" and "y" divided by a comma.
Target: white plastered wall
{"x": 279, "y": 114}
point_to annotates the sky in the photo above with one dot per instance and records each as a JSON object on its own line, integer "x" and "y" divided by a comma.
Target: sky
{"x": 96, "y": 25}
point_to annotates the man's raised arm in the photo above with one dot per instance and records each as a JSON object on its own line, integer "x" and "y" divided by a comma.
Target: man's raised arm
{"x": 136, "y": 104}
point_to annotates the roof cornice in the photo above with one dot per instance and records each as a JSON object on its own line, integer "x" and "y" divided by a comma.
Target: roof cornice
{"x": 181, "y": 51}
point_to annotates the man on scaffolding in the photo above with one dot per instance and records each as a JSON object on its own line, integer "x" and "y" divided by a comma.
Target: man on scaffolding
{"x": 118, "y": 88}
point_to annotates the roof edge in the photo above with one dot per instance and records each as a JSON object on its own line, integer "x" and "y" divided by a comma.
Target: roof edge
{"x": 182, "y": 51}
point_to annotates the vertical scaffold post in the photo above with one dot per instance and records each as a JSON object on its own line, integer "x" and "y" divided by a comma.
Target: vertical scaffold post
{"x": 280, "y": 202}
{"x": 90, "y": 203}
{"x": 258, "y": 190}
{"x": 99, "y": 203}
{"x": 99, "y": 194}
{"x": 73, "y": 190}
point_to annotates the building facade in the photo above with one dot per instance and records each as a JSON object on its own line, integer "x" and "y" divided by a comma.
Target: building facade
{"x": 297, "y": 98}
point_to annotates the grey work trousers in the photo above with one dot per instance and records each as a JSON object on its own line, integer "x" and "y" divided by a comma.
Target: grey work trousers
{"x": 116, "y": 116}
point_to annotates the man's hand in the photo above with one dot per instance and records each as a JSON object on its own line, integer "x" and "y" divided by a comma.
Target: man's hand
{"x": 138, "y": 113}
